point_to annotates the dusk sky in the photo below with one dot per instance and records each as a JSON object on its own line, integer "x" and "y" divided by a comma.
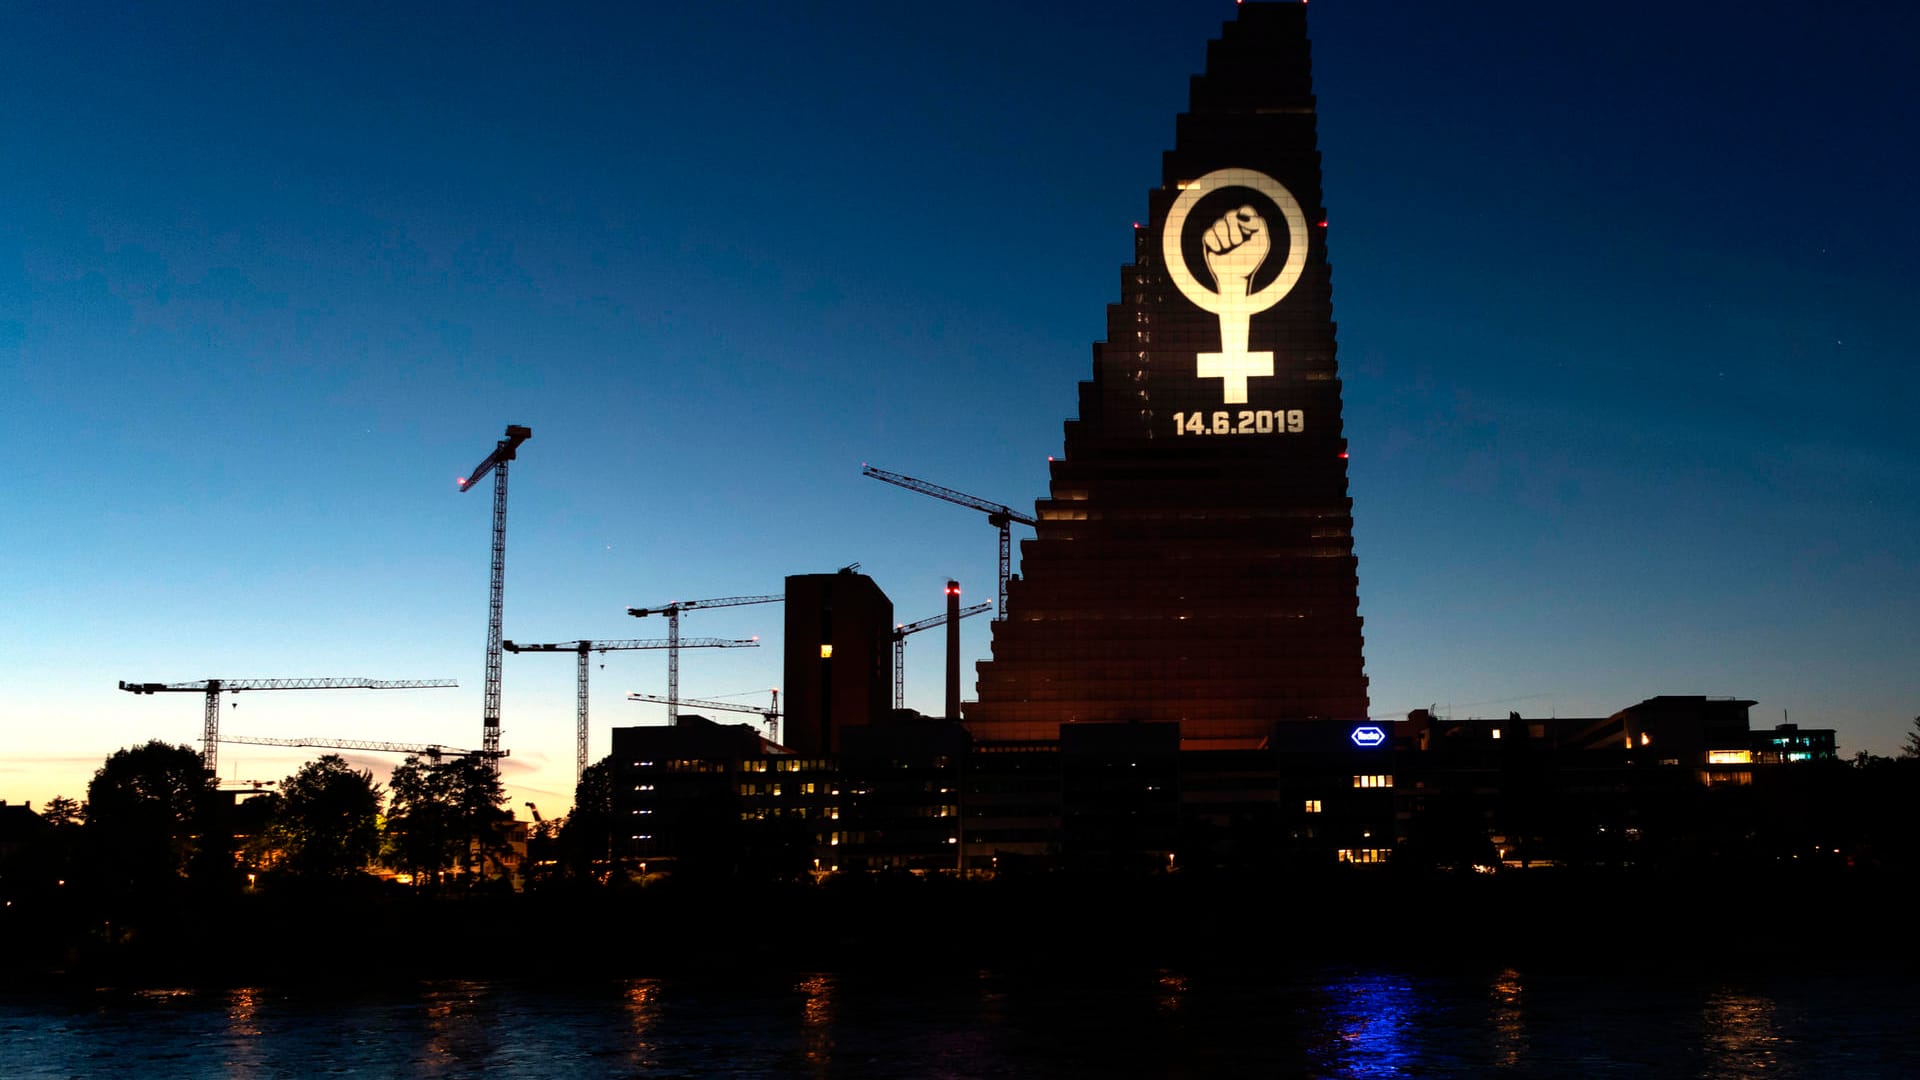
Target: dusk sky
{"x": 1626, "y": 300}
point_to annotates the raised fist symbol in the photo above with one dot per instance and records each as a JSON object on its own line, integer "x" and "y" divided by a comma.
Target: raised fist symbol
{"x": 1236, "y": 246}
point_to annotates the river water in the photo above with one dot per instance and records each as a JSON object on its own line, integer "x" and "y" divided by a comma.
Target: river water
{"x": 1331, "y": 1023}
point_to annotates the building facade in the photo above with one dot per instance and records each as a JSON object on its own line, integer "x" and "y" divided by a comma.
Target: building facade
{"x": 839, "y": 658}
{"x": 1194, "y": 563}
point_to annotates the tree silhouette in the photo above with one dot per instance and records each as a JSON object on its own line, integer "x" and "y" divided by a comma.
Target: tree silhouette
{"x": 1912, "y": 748}
{"x": 586, "y": 836}
{"x": 61, "y": 812}
{"x": 150, "y": 812}
{"x": 325, "y": 820}
{"x": 444, "y": 814}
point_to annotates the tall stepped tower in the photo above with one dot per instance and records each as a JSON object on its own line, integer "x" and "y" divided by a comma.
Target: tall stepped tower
{"x": 1194, "y": 561}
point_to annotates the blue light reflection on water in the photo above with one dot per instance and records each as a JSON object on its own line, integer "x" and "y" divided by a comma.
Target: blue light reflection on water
{"x": 1371, "y": 1015}
{"x": 1162, "y": 1023}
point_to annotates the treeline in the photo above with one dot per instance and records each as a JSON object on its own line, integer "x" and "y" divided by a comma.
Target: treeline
{"x": 154, "y": 825}
{"x": 154, "y": 821}
{"x": 157, "y": 869}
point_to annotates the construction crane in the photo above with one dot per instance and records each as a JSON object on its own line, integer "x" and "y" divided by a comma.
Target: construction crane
{"x": 998, "y": 514}
{"x": 213, "y": 688}
{"x": 581, "y": 648}
{"x": 770, "y": 715}
{"x": 503, "y": 453}
{"x": 431, "y": 751}
{"x": 900, "y": 647}
{"x": 672, "y": 612}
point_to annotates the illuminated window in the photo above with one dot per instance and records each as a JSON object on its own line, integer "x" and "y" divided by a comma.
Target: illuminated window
{"x": 1313, "y": 806}
{"x": 1729, "y": 757}
{"x": 1646, "y": 739}
{"x": 826, "y": 652}
{"x": 1363, "y": 855}
{"x": 1496, "y": 733}
{"x": 1373, "y": 781}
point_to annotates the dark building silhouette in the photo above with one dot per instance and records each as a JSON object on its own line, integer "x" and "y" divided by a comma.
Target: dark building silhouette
{"x": 1194, "y": 561}
{"x": 676, "y": 791}
{"x": 839, "y": 658}
{"x": 1674, "y": 779}
{"x": 19, "y": 826}
{"x": 918, "y": 794}
{"x": 900, "y": 795}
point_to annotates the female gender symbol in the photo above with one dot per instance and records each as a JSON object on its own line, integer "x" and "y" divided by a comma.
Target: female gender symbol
{"x": 1236, "y": 247}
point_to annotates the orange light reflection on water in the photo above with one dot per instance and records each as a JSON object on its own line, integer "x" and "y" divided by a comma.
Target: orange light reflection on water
{"x": 818, "y": 1018}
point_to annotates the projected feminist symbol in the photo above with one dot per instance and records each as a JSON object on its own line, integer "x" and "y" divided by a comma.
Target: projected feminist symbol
{"x": 1236, "y": 246}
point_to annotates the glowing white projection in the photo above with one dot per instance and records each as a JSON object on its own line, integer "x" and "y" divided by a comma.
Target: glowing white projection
{"x": 1237, "y": 245}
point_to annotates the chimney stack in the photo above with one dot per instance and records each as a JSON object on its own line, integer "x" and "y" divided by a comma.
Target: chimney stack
{"x": 953, "y": 650}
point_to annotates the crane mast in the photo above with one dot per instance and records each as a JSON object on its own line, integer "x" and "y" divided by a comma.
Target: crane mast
{"x": 672, "y": 612}
{"x": 770, "y": 715}
{"x": 210, "y": 731}
{"x": 999, "y": 515}
{"x": 900, "y": 647}
{"x": 503, "y": 452}
{"x": 583, "y": 647}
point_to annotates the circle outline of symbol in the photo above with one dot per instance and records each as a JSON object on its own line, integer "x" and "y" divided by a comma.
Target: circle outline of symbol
{"x": 1276, "y": 290}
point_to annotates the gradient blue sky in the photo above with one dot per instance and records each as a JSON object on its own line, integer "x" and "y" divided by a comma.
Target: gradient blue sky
{"x": 1626, "y": 301}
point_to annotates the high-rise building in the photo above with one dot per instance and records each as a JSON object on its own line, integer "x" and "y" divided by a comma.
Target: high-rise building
{"x": 839, "y": 658}
{"x": 1194, "y": 562}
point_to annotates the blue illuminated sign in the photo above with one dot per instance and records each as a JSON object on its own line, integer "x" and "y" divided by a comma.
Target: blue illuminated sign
{"x": 1368, "y": 735}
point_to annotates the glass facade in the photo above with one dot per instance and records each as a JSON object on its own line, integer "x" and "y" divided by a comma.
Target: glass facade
{"x": 1194, "y": 561}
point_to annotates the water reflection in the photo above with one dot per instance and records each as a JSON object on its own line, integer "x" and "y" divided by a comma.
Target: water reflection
{"x": 460, "y": 1022}
{"x": 1370, "y": 1018}
{"x": 1742, "y": 1034}
{"x": 1172, "y": 990}
{"x": 641, "y": 999}
{"x": 993, "y": 1000}
{"x": 1508, "y": 1019}
{"x": 816, "y": 1035}
{"x": 1171, "y": 1023}
{"x": 243, "y": 1056}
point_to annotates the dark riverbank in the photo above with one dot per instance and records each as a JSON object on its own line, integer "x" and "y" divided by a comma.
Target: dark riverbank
{"x": 1540, "y": 920}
